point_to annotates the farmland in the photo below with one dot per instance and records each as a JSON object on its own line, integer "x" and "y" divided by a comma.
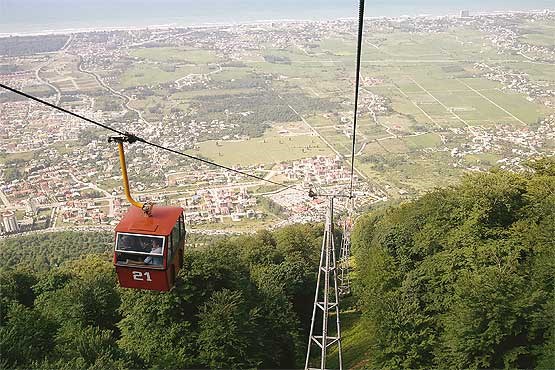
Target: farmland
{"x": 438, "y": 97}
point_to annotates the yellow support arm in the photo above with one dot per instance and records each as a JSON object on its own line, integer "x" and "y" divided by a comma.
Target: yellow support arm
{"x": 125, "y": 179}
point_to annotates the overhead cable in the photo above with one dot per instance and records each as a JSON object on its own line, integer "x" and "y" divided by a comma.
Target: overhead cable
{"x": 137, "y": 138}
{"x": 357, "y": 83}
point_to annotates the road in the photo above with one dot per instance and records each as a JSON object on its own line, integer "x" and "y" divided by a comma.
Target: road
{"x": 93, "y": 186}
{"x": 68, "y": 43}
{"x": 126, "y": 99}
{"x": 443, "y": 105}
{"x": 492, "y": 102}
{"x": 362, "y": 176}
{"x": 46, "y": 82}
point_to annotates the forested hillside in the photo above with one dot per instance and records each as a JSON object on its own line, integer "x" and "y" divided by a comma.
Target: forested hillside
{"x": 47, "y": 250}
{"x": 43, "y": 251}
{"x": 244, "y": 302}
{"x": 462, "y": 277}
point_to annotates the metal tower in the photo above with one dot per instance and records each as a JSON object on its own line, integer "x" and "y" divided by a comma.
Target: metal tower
{"x": 345, "y": 254}
{"x": 327, "y": 300}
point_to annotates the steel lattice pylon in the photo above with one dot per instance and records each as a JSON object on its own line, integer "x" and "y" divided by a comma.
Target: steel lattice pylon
{"x": 345, "y": 255}
{"x": 327, "y": 300}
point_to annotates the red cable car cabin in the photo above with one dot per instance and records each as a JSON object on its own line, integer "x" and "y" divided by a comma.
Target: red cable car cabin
{"x": 148, "y": 250}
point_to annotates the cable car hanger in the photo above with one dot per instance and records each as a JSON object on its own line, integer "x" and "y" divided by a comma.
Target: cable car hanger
{"x": 129, "y": 138}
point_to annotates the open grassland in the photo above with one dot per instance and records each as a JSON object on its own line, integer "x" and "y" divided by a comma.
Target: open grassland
{"x": 412, "y": 173}
{"x": 539, "y": 33}
{"x": 147, "y": 74}
{"x": 421, "y": 141}
{"x": 539, "y": 39}
{"x": 271, "y": 148}
{"x": 482, "y": 159}
{"x": 179, "y": 55}
{"x": 231, "y": 73}
{"x": 371, "y": 130}
{"x": 245, "y": 225}
{"x": 12, "y": 157}
{"x": 355, "y": 342}
{"x": 536, "y": 71}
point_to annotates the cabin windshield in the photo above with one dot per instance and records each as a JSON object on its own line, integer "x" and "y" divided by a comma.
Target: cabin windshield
{"x": 139, "y": 249}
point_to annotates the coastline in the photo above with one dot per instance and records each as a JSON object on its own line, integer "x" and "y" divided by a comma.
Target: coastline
{"x": 164, "y": 27}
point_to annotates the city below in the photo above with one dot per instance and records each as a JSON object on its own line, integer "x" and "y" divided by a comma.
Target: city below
{"x": 440, "y": 96}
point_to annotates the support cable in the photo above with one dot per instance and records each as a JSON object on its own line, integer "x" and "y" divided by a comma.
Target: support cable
{"x": 133, "y": 138}
{"x": 357, "y": 83}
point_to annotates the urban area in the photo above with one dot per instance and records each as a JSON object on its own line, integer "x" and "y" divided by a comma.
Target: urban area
{"x": 440, "y": 96}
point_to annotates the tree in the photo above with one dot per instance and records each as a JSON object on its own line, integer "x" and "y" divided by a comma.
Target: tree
{"x": 462, "y": 277}
{"x": 254, "y": 291}
{"x": 16, "y": 285}
{"x": 25, "y": 336}
{"x": 227, "y": 333}
{"x": 156, "y": 328}
{"x": 86, "y": 347}
{"x": 88, "y": 297}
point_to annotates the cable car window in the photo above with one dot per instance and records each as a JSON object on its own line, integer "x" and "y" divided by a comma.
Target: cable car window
{"x": 139, "y": 249}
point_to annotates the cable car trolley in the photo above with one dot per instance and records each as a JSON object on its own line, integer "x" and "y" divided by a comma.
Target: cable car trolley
{"x": 149, "y": 241}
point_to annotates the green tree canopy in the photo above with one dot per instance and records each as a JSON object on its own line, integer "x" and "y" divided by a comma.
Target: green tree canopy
{"x": 463, "y": 277}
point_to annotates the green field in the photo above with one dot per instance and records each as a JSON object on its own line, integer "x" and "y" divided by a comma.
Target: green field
{"x": 429, "y": 80}
{"x": 356, "y": 345}
{"x": 423, "y": 141}
{"x": 539, "y": 39}
{"x": 9, "y": 157}
{"x": 146, "y": 74}
{"x": 180, "y": 55}
{"x": 271, "y": 148}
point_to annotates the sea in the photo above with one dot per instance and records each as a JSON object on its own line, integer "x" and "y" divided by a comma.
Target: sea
{"x": 20, "y": 17}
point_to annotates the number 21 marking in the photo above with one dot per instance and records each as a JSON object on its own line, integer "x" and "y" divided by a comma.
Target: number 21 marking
{"x": 138, "y": 275}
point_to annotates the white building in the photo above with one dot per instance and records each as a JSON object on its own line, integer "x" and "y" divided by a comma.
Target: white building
{"x": 8, "y": 222}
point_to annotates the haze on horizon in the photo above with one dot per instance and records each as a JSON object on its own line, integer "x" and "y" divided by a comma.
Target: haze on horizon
{"x": 28, "y": 16}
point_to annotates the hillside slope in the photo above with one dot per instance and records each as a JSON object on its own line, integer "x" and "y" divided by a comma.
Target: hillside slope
{"x": 462, "y": 277}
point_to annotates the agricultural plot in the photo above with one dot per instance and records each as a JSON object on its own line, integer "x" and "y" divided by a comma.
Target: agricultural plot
{"x": 62, "y": 72}
{"x": 431, "y": 86}
{"x": 428, "y": 78}
{"x": 176, "y": 55}
{"x": 428, "y": 81}
{"x": 460, "y": 102}
{"x": 152, "y": 74}
{"x": 271, "y": 148}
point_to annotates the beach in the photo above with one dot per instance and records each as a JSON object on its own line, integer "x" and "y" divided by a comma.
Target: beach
{"x": 35, "y": 17}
